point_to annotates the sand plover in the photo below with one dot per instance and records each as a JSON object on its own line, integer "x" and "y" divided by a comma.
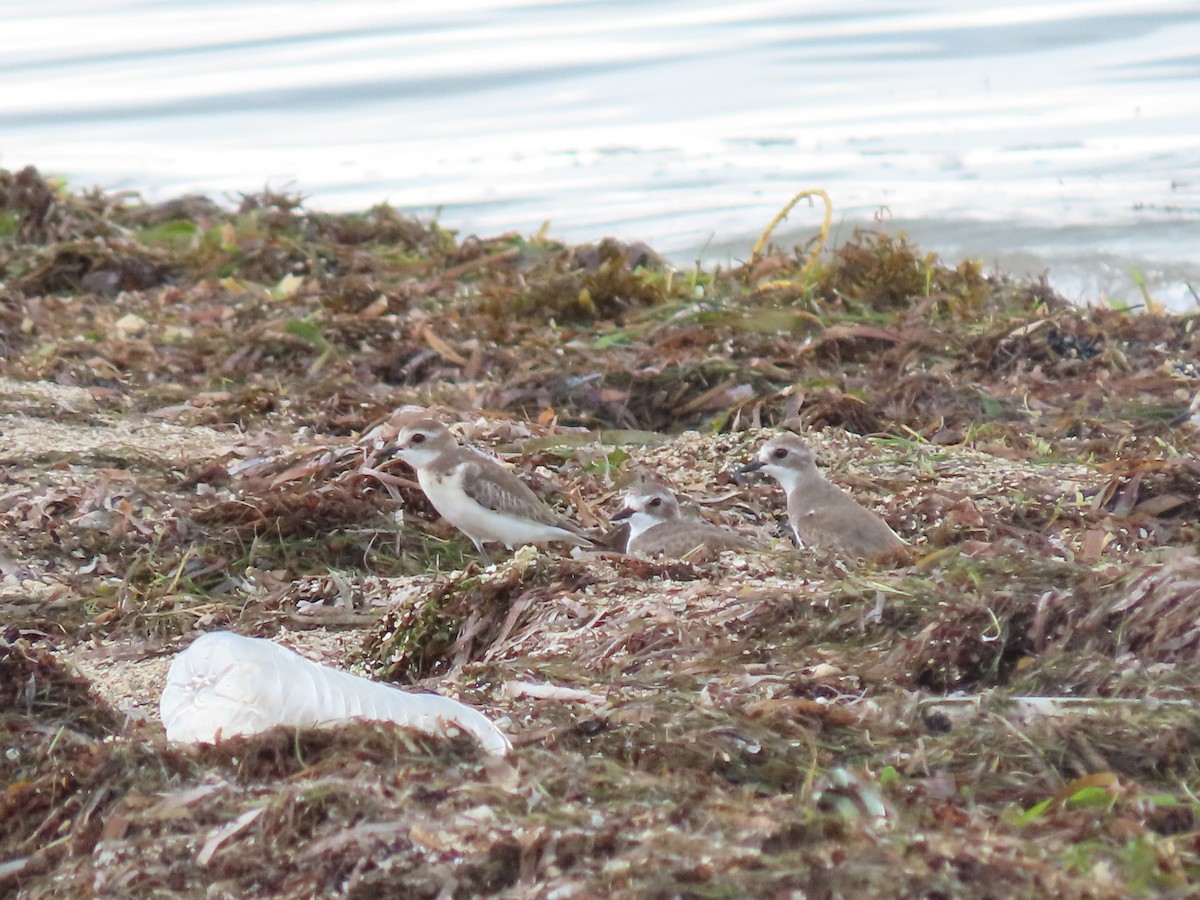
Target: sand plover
{"x": 821, "y": 513}
{"x": 656, "y": 527}
{"x": 478, "y": 495}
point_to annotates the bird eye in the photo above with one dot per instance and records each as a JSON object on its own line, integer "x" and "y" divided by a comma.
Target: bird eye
{"x": 417, "y": 438}
{"x": 780, "y": 453}
{"x": 657, "y": 501}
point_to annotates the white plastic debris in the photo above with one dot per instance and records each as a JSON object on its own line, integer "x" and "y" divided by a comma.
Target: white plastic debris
{"x": 225, "y": 685}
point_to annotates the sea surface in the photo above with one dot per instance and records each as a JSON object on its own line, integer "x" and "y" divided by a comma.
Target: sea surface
{"x": 1034, "y": 135}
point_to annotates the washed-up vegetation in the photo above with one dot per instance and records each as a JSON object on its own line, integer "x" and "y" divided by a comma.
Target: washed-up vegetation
{"x": 195, "y": 404}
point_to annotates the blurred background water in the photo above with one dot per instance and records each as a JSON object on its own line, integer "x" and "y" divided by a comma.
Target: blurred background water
{"x": 1034, "y": 135}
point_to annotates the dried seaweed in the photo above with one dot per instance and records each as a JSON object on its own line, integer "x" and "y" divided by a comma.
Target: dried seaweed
{"x": 195, "y": 402}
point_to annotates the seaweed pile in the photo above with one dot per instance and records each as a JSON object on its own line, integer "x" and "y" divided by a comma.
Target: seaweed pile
{"x": 195, "y": 402}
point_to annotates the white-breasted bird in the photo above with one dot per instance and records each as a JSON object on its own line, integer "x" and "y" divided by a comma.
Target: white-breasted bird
{"x": 478, "y": 495}
{"x": 658, "y": 528}
{"x": 821, "y": 514}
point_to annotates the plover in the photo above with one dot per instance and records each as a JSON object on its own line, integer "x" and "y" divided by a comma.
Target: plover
{"x": 657, "y": 528}
{"x": 476, "y": 494}
{"x": 821, "y": 513}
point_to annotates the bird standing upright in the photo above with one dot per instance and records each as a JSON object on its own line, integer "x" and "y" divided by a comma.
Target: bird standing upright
{"x": 822, "y": 514}
{"x": 478, "y": 495}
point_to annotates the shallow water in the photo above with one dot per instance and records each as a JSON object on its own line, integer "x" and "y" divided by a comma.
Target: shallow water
{"x": 1060, "y": 135}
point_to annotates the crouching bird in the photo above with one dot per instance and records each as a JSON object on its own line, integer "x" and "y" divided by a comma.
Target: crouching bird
{"x": 658, "y": 528}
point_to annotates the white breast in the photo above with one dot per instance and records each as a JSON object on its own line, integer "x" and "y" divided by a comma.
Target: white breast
{"x": 639, "y": 523}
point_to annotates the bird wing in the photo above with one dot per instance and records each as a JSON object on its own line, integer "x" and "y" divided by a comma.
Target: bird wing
{"x": 494, "y": 487}
{"x": 675, "y": 541}
{"x": 817, "y": 510}
{"x": 849, "y": 527}
{"x": 871, "y": 536}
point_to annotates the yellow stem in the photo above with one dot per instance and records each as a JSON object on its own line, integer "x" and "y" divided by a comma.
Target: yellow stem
{"x": 756, "y": 253}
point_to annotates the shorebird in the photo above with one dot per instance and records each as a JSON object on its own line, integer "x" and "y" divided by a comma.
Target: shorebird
{"x": 656, "y": 527}
{"x": 476, "y": 494}
{"x": 822, "y": 514}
